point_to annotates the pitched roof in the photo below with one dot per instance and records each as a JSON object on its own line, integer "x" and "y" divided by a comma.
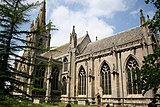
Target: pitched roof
{"x": 118, "y": 39}
{"x": 62, "y": 50}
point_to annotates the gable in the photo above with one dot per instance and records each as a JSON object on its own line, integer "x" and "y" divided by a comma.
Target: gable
{"x": 83, "y": 44}
{"x": 64, "y": 49}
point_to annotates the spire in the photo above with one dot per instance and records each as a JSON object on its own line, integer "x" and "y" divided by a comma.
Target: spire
{"x": 73, "y": 38}
{"x": 96, "y": 38}
{"x": 142, "y": 18}
{"x": 73, "y": 30}
{"x": 42, "y": 14}
{"x": 87, "y": 33}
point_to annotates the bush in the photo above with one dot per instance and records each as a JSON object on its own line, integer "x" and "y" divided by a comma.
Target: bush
{"x": 12, "y": 102}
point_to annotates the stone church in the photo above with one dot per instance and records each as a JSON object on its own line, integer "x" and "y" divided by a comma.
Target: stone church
{"x": 105, "y": 71}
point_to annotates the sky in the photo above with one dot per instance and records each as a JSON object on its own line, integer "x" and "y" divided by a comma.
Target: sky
{"x": 101, "y": 18}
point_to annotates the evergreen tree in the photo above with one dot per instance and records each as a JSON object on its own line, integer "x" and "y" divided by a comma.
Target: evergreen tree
{"x": 13, "y": 15}
{"x": 150, "y": 71}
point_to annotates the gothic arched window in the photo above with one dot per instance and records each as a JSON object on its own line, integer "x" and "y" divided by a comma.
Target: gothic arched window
{"x": 40, "y": 71}
{"x": 133, "y": 76}
{"x": 65, "y": 64}
{"x": 64, "y": 85}
{"x": 82, "y": 82}
{"x": 106, "y": 79}
{"x": 38, "y": 82}
{"x": 54, "y": 78}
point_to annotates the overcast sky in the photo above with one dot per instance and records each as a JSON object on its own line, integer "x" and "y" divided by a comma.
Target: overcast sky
{"x": 100, "y": 18}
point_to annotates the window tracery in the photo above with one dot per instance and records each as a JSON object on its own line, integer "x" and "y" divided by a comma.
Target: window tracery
{"x": 82, "y": 82}
{"x": 39, "y": 81}
{"x": 106, "y": 79}
{"x": 133, "y": 76}
{"x": 65, "y": 64}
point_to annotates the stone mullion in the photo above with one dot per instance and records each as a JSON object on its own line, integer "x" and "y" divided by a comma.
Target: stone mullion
{"x": 105, "y": 82}
{"x": 109, "y": 82}
{"x": 84, "y": 85}
{"x": 81, "y": 84}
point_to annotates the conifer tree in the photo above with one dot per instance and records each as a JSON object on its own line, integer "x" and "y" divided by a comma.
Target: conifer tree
{"x": 13, "y": 15}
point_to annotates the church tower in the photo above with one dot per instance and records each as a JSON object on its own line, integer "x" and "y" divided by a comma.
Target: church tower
{"x": 40, "y": 40}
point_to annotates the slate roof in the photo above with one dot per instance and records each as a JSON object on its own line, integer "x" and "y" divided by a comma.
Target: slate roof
{"x": 118, "y": 39}
{"x": 62, "y": 50}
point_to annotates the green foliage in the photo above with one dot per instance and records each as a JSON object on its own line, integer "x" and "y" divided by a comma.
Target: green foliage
{"x": 150, "y": 72}
{"x": 61, "y": 104}
{"x": 155, "y": 21}
{"x": 13, "y": 15}
{"x": 14, "y": 102}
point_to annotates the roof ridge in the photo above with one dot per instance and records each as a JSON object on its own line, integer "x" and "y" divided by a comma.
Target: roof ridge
{"x": 118, "y": 38}
{"x": 116, "y": 34}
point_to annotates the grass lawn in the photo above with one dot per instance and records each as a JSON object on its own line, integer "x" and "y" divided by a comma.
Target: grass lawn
{"x": 60, "y": 104}
{"x": 13, "y": 102}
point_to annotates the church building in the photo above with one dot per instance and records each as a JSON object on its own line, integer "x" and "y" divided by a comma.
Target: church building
{"x": 105, "y": 71}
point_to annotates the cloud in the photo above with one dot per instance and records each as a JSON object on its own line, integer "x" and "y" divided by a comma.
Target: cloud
{"x": 105, "y": 8}
{"x": 98, "y": 28}
{"x": 20, "y": 53}
{"x": 34, "y": 12}
{"x": 32, "y": 1}
{"x": 64, "y": 20}
{"x": 12, "y": 58}
{"x": 150, "y": 13}
{"x": 85, "y": 15}
{"x": 135, "y": 13}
